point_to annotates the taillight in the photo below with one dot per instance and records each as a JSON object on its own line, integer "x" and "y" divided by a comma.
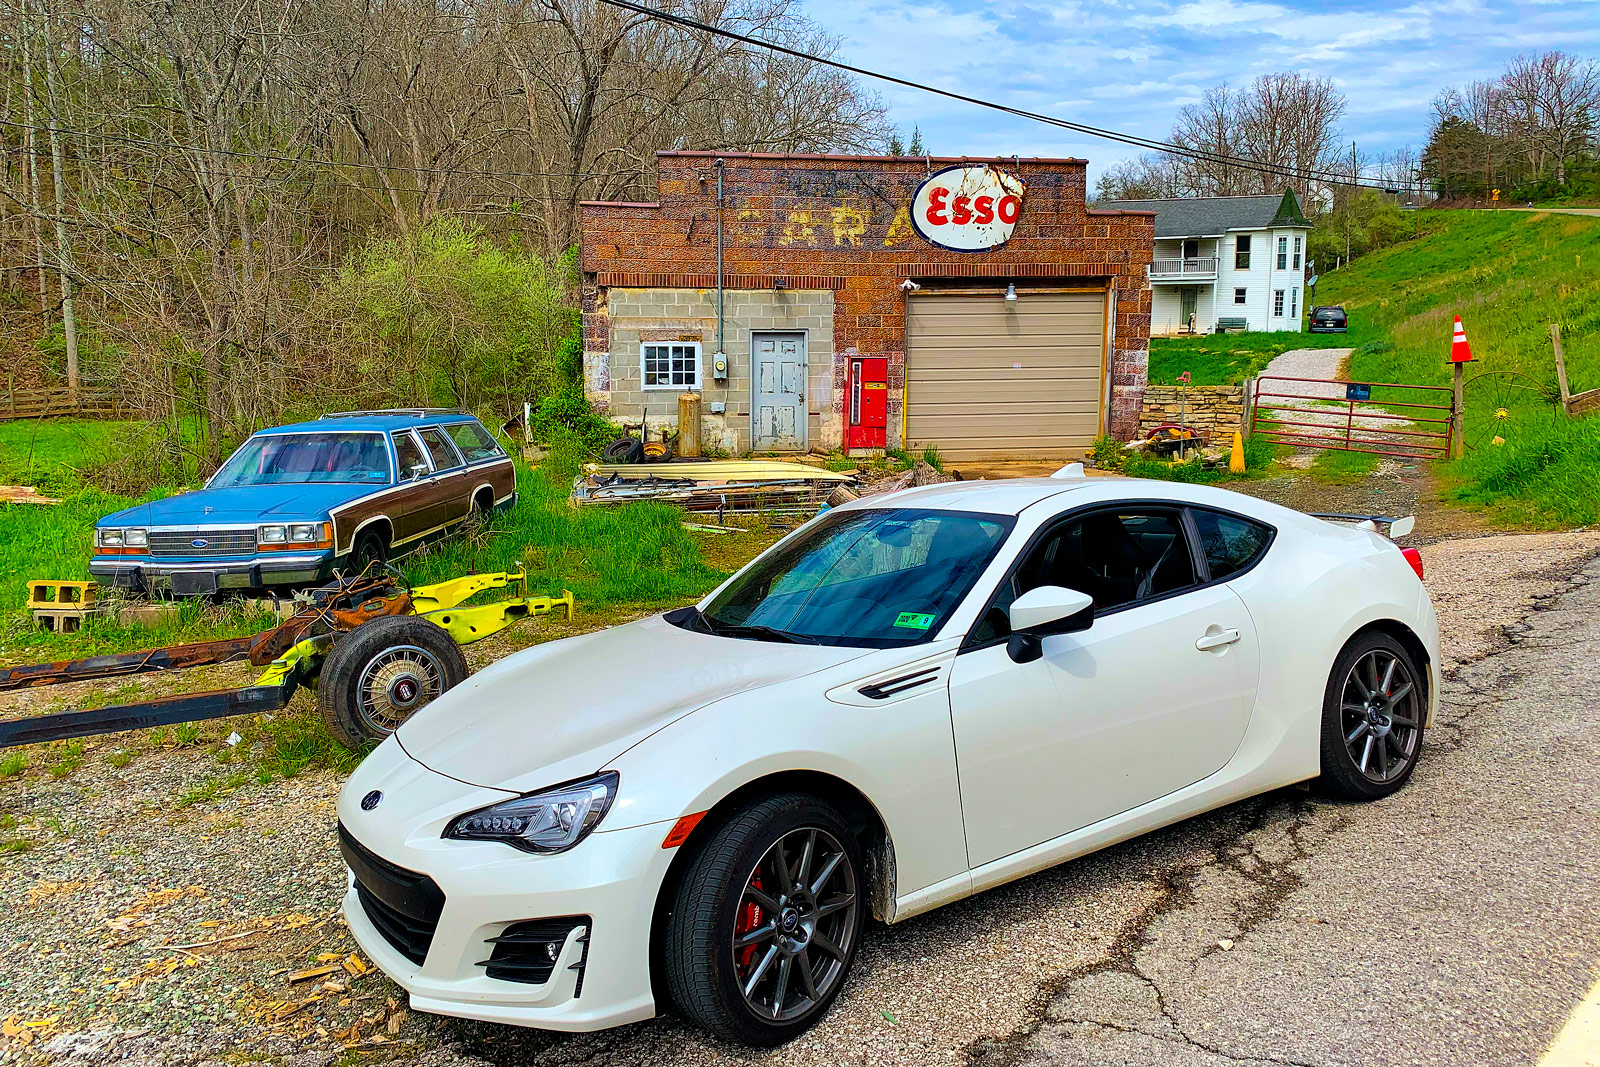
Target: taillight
{"x": 1414, "y": 558}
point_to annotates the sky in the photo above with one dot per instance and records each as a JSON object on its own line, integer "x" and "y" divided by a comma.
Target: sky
{"x": 1131, "y": 64}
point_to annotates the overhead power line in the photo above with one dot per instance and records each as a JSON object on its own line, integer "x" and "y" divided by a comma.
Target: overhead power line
{"x": 1150, "y": 144}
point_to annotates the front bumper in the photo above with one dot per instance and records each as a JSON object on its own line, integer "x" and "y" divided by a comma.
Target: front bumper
{"x": 611, "y": 879}
{"x": 144, "y": 574}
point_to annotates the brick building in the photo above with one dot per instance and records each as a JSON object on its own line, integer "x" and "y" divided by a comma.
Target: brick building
{"x": 871, "y": 302}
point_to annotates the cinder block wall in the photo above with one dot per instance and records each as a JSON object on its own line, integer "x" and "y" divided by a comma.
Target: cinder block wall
{"x": 639, "y": 316}
{"x": 841, "y": 225}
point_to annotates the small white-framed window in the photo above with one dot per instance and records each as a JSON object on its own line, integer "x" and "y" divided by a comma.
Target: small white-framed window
{"x": 671, "y": 364}
{"x": 1294, "y": 303}
{"x": 1277, "y": 303}
{"x": 1283, "y": 253}
{"x": 1297, "y": 253}
{"x": 1240, "y": 296}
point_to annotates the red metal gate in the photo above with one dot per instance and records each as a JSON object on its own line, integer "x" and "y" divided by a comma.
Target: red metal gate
{"x": 1423, "y": 433}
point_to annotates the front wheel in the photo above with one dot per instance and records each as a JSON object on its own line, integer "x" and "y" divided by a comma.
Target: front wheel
{"x": 1372, "y": 719}
{"x": 765, "y": 923}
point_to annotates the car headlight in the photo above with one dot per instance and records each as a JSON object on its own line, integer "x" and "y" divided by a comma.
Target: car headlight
{"x": 272, "y": 535}
{"x": 135, "y": 538}
{"x": 549, "y": 821}
{"x": 109, "y": 538}
{"x": 304, "y": 531}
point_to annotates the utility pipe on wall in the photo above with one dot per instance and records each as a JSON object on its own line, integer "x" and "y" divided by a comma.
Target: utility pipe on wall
{"x": 719, "y": 258}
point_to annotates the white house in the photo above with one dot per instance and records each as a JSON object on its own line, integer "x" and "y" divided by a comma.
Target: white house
{"x": 1223, "y": 259}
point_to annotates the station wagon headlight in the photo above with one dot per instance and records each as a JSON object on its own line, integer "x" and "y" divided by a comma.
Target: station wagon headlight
{"x": 303, "y": 531}
{"x": 135, "y": 538}
{"x": 272, "y": 535}
{"x": 550, "y": 821}
{"x": 108, "y": 538}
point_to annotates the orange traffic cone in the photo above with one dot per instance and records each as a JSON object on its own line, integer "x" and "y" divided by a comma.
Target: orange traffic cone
{"x": 1460, "y": 351}
{"x": 1236, "y": 457}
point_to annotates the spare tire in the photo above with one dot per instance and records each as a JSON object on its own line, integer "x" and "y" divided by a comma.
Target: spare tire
{"x": 624, "y": 450}
{"x": 381, "y": 673}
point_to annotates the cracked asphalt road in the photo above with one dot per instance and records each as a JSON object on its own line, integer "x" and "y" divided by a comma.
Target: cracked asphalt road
{"x": 1456, "y": 922}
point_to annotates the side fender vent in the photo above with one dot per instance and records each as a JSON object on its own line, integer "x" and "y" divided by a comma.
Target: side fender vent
{"x": 888, "y": 687}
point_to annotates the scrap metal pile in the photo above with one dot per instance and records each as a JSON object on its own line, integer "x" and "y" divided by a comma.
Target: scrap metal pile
{"x": 721, "y": 486}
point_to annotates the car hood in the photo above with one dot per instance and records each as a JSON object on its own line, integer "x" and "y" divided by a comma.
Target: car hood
{"x": 562, "y": 710}
{"x": 245, "y": 505}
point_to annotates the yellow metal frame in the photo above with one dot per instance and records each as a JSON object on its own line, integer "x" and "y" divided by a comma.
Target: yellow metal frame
{"x": 466, "y": 625}
{"x": 300, "y": 655}
{"x": 447, "y": 594}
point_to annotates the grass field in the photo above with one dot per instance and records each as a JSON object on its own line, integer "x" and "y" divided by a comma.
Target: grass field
{"x": 1508, "y": 275}
{"x": 1227, "y": 359}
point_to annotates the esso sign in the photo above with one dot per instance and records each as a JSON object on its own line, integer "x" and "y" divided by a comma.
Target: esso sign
{"x": 968, "y": 208}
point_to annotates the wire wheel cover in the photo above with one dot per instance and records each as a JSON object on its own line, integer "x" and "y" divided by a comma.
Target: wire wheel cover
{"x": 396, "y": 684}
{"x": 1380, "y": 712}
{"x": 795, "y": 925}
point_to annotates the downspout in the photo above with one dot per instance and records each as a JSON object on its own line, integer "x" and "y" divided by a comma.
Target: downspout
{"x": 719, "y": 258}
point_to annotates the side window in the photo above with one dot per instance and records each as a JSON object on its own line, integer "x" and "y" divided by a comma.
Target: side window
{"x": 1230, "y": 544}
{"x": 473, "y": 441}
{"x": 1241, "y": 252}
{"x": 440, "y": 449}
{"x": 408, "y": 454}
{"x": 1117, "y": 557}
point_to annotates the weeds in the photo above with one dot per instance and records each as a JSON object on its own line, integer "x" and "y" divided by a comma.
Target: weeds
{"x": 1334, "y": 467}
{"x": 210, "y": 789}
{"x": 13, "y": 764}
{"x": 69, "y": 757}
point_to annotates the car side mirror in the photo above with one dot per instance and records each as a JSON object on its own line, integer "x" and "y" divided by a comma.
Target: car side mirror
{"x": 418, "y": 470}
{"x": 1040, "y": 612}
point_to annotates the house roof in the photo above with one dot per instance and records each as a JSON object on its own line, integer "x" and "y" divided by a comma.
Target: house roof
{"x": 1213, "y": 216}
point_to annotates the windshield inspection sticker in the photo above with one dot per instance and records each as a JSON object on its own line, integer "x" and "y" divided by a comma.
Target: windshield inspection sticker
{"x": 913, "y": 620}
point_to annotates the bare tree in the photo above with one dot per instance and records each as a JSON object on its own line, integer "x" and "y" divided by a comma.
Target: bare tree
{"x": 1550, "y": 103}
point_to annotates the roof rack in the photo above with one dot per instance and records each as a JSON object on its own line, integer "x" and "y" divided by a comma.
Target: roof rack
{"x": 415, "y": 413}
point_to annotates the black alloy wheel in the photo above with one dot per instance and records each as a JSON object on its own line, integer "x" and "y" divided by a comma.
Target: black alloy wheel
{"x": 766, "y": 921}
{"x": 1373, "y": 719}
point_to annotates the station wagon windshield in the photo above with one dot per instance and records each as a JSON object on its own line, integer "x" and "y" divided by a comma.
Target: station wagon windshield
{"x": 877, "y": 578}
{"x": 299, "y": 458}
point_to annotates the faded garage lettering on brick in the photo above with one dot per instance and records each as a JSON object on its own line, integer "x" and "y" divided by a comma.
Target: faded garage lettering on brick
{"x": 817, "y": 247}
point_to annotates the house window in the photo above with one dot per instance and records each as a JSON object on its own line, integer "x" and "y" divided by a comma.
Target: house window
{"x": 1239, "y": 296}
{"x": 671, "y": 366}
{"x": 1297, "y": 253}
{"x": 1277, "y": 303}
{"x": 1283, "y": 253}
{"x": 1241, "y": 252}
{"x": 1294, "y": 303}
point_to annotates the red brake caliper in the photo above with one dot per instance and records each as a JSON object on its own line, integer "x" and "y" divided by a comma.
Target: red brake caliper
{"x": 749, "y": 918}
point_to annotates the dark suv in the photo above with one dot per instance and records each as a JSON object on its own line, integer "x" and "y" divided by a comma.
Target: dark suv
{"x": 1329, "y": 320}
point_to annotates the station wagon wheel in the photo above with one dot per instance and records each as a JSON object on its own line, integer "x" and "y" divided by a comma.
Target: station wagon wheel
{"x": 1374, "y": 718}
{"x": 383, "y": 672}
{"x": 796, "y": 924}
{"x": 763, "y": 925}
{"x": 369, "y": 552}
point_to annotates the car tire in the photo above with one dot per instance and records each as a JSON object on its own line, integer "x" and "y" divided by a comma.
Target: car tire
{"x": 383, "y": 672}
{"x": 624, "y": 450}
{"x": 371, "y": 548}
{"x": 1374, "y": 715}
{"x": 733, "y": 889}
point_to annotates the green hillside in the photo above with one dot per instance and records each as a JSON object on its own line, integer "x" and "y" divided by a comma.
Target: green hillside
{"x": 1508, "y": 275}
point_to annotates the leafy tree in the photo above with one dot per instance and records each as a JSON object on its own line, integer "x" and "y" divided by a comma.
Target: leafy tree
{"x": 446, "y": 317}
{"x": 915, "y": 148}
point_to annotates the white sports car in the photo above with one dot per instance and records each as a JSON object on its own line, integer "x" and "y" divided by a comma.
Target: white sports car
{"x": 908, "y": 700}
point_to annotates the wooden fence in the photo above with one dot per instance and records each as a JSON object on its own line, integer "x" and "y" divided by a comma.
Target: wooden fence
{"x": 50, "y": 403}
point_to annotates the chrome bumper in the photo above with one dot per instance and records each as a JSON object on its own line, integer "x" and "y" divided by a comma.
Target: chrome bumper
{"x": 152, "y": 575}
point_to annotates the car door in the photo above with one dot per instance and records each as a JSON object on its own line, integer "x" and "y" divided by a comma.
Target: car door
{"x": 1154, "y": 696}
{"x": 408, "y": 505}
{"x": 451, "y": 495}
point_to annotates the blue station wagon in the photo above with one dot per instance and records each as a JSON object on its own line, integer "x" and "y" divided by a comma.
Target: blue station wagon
{"x": 295, "y": 503}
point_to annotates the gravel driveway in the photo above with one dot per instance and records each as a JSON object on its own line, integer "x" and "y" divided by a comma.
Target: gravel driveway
{"x": 145, "y": 932}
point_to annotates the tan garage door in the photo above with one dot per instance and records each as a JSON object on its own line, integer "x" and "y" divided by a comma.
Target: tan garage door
{"x": 988, "y": 380}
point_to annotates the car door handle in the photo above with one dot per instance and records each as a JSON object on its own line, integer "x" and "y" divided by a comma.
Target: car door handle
{"x": 1215, "y": 639}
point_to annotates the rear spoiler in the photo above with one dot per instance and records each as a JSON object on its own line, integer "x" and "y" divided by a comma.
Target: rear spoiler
{"x": 1396, "y": 527}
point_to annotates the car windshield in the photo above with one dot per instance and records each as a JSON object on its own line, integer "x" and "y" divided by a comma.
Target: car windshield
{"x": 296, "y": 458}
{"x": 876, "y": 577}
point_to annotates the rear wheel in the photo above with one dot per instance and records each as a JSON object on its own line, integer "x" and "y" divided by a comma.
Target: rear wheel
{"x": 1372, "y": 719}
{"x": 765, "y": 923}
{"x": 383, "y": 672}
{"x": 369, "y": 553}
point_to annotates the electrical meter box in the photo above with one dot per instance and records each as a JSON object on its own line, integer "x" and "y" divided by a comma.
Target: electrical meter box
{"x": 867, "y": 413}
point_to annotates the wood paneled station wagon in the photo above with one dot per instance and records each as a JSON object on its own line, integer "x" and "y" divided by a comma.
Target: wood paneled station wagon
{"x": 297, "y": 502}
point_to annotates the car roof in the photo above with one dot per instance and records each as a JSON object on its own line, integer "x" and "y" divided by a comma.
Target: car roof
{"x": 372, "y": 422}
{"x": 1010, "y": 496}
